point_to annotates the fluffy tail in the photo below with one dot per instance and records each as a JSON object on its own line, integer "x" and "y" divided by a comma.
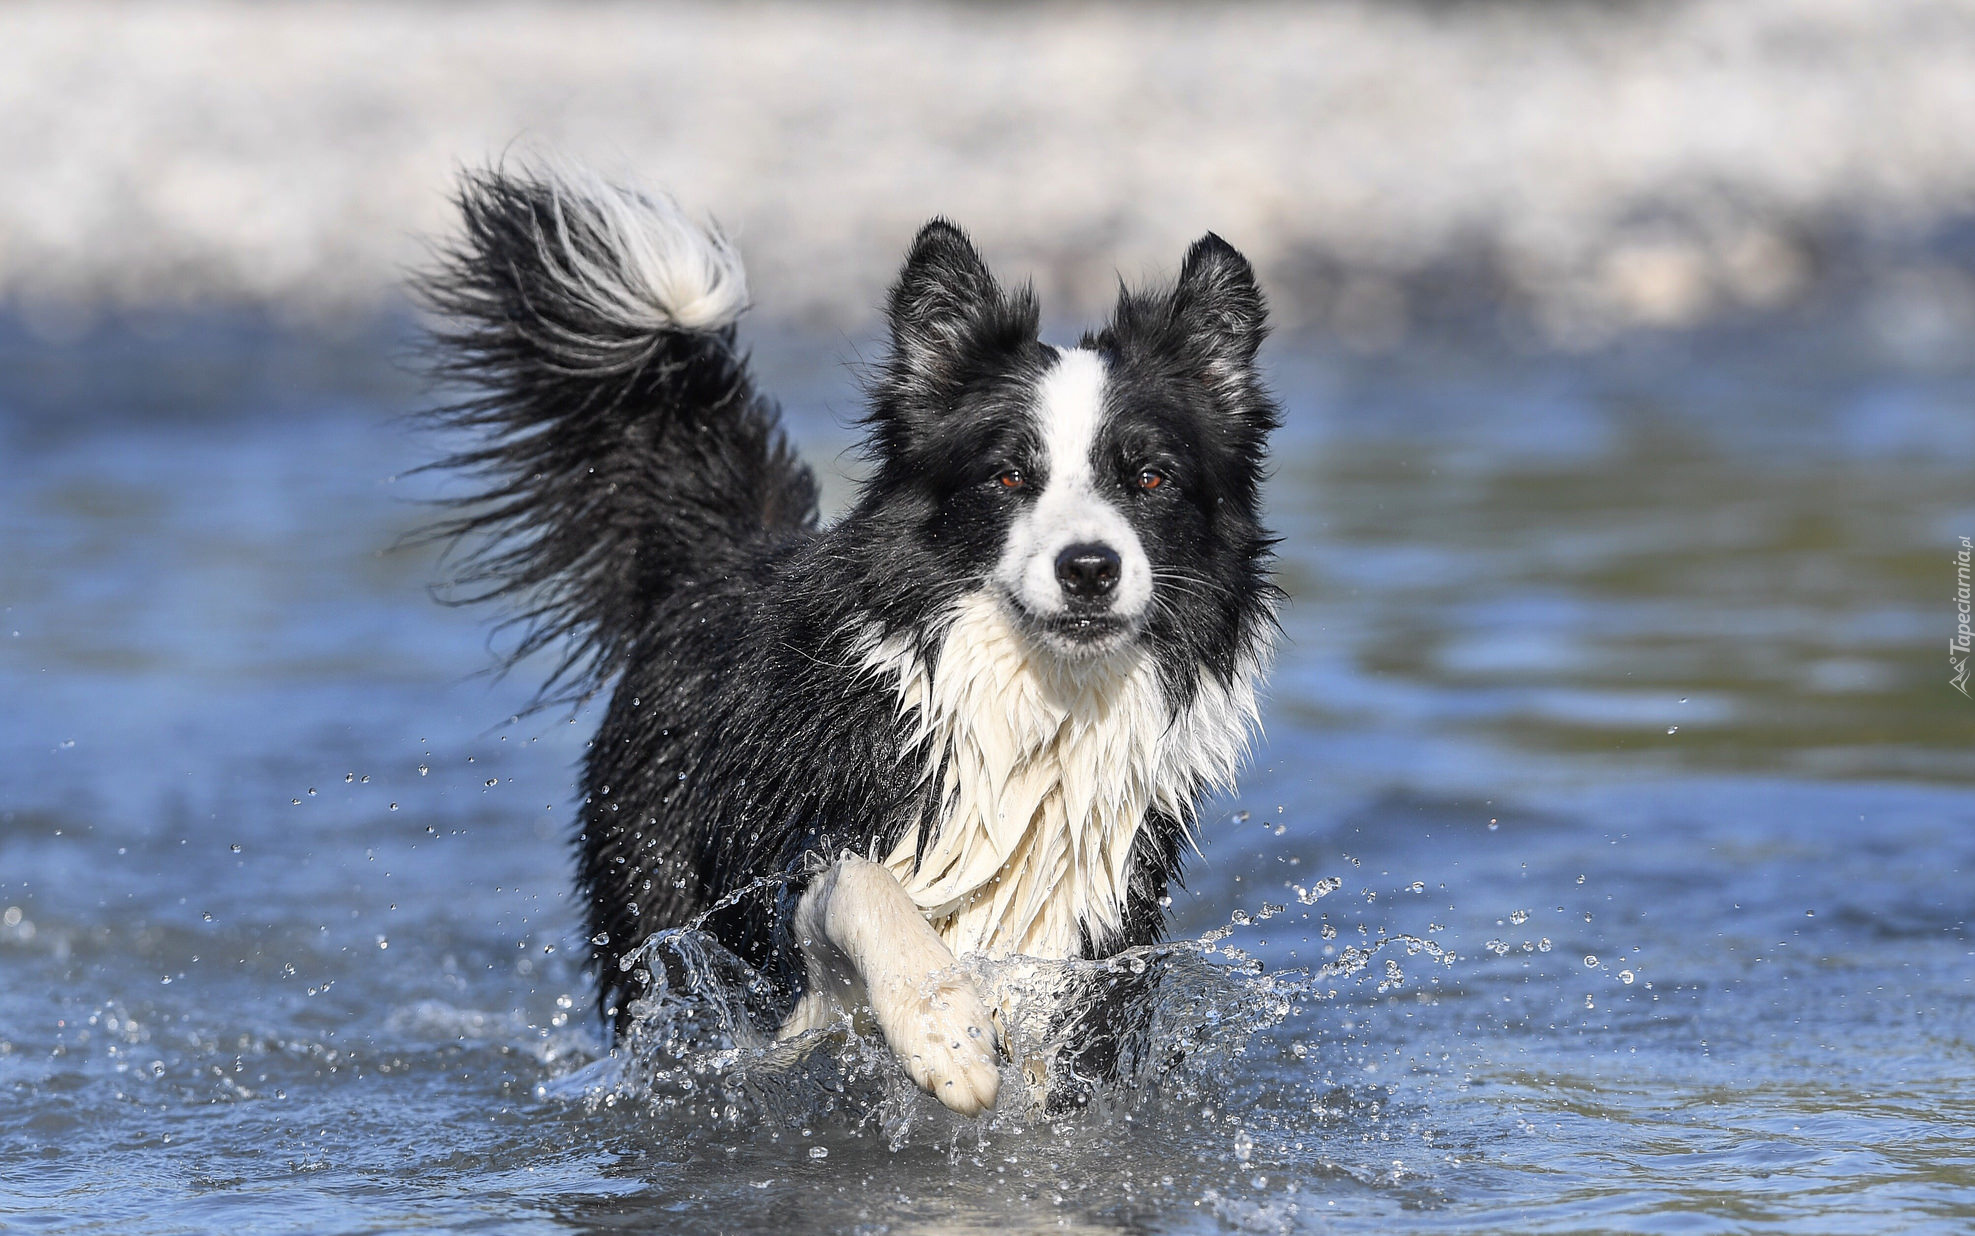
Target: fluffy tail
{"x": 618, "y": 442}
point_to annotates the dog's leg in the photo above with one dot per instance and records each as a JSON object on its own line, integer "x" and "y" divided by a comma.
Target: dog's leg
{"x": 859, "y": 930}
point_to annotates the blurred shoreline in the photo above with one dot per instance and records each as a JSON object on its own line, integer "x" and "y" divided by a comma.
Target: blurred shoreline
{"x": 1560, "y": 174}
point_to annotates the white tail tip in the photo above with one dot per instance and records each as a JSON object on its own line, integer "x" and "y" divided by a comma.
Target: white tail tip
{"x": 637, "y": 259}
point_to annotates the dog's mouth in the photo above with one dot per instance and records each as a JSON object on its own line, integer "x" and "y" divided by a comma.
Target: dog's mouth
{"x": 1090, "y": 634}
{"x": 1086, "y": 628}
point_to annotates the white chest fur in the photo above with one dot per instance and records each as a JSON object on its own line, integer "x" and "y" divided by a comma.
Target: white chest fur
{"x": 1048, "y": 768}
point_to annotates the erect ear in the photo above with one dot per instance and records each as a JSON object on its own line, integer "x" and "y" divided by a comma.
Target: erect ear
{"x": 1220, "y": 309}
{"x": 948, "y": 314}
{"x": 943, "y": 285}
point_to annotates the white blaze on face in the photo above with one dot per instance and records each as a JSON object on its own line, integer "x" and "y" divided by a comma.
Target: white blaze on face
{"x": 1070, "y": 510}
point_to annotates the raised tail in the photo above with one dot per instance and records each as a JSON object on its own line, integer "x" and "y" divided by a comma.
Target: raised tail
{"x": 618, "y": 441}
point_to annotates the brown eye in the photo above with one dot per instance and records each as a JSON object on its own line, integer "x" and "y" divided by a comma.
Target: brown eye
{"x": 1151, "y": 478}
{"x": 1012, "y": 479}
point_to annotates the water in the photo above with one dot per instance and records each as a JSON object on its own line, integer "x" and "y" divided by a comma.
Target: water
{"x": 1620, "y": 815}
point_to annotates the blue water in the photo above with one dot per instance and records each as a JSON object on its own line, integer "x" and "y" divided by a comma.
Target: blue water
{"x": 1619, "y": 812}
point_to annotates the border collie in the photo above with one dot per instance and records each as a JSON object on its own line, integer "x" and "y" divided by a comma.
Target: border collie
{"x": 973, "y": 715}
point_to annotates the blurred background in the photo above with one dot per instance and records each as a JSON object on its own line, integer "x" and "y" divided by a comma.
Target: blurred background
{"x": 1628, "y": 354}
{"x": 1564, "y": 172}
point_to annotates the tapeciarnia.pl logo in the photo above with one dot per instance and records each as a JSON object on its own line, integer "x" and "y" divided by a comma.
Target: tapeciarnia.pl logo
{"x": 1959, "y": 645}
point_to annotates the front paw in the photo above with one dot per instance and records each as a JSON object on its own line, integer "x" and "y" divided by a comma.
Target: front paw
{"x": 942, "y": 1034}
{"x": 814, "y": 1011}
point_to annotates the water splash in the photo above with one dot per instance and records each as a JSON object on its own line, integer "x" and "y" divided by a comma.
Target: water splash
{"x": 1176, "y": 1019}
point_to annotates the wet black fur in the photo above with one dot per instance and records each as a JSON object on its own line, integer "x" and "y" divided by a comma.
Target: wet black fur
{"x": 641, "y": 510}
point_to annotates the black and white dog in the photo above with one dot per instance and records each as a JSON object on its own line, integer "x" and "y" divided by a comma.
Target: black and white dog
{"x": 975, "y": 714}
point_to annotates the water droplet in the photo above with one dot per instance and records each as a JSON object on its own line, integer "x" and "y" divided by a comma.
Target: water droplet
{"x": 1673, "y": 729}
{"x": 1519, "y": 917}
{"x": 493, "y": 781}
{"x": 1321, "y": 889}
{"x": 1626, "y": 977}
{"x": 601, "y": 938}
{"x": 394, "y": 806}
{"x": 1543, "y": 945}
{"x": 348, "y": 778}
{"x": 423, "y": 769}
{"x": 1591, "y": 959}
{"x": 1493, "y": 825}
{"x": 820, "y": 1152}
{"x": 235, "y": 847}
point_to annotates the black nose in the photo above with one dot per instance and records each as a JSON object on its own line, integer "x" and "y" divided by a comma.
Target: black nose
{"x": 1088, "y": 572}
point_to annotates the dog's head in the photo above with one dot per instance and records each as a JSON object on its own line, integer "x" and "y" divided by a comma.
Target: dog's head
{"x": 1104, "y": 494}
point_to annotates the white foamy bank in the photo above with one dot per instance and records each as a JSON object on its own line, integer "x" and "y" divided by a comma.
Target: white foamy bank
{"x": 1603, "y": 166}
